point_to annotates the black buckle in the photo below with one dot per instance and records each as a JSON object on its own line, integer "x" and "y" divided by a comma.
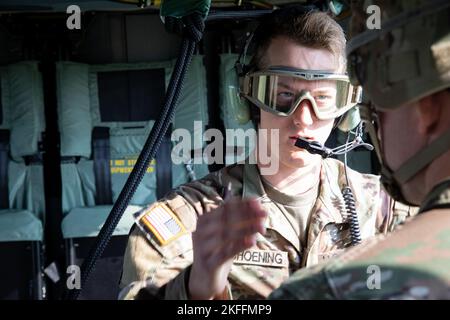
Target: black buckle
{"x": 313, "y": 147}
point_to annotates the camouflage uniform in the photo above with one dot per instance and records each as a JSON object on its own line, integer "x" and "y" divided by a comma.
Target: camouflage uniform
{"x": 415, "y": 267}
{"x": 162, "y": 270}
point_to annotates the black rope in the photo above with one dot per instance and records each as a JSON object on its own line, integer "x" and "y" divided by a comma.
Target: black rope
{"x": 193, "y": 31}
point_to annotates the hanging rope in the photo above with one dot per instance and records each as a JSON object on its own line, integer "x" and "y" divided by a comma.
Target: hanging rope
{"x": 193, "y": 27}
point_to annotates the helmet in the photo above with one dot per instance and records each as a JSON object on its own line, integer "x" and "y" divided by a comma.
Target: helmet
{"x": 405, "y": 60}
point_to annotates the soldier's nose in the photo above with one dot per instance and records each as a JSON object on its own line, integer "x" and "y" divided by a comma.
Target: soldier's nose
{"x": 304, "y": 115}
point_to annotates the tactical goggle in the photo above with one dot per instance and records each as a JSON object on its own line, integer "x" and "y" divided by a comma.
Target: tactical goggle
{"x": 280, "y": 90}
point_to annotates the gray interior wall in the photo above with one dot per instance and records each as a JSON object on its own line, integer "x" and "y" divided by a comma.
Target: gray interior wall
{"x": 11, "y": 47}
{"x": 126, "y": 38}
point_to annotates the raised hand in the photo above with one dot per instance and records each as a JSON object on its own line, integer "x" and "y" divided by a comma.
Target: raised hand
{"x": 220, "y": 235}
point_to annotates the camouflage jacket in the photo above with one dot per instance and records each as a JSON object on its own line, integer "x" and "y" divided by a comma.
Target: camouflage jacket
{"x": 413, "y": 262}
{"x": 150, "y": 264}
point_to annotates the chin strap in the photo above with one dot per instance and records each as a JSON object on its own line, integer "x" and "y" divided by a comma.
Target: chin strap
{"x": 316, "y": 147}
{"x": 423, "y": 158}
{"x": 393, "y": 180}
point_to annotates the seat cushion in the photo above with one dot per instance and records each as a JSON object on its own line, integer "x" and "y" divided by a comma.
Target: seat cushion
{"x": 87, "y": 221}
{"x": 19, "y": 225}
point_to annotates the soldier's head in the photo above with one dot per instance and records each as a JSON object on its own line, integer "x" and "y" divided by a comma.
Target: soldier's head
{"x": 404, "y": 68}
{"x": 296, "y": 81}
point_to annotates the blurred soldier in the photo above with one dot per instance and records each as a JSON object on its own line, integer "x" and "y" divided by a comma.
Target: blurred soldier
{"x": 245, "y": 246}
{"x": 404, "y": 69}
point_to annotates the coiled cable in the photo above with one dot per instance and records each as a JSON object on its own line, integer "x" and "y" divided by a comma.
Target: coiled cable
{"x": 350, "y": 207}
{"x": 349, "y": 200}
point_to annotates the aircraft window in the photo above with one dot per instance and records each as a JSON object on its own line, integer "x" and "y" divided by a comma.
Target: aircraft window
{"x": 132, "y": 95}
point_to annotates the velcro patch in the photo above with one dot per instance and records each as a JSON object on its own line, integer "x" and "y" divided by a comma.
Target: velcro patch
{"x": 263, "y": 258}
{"x": 161, "y": 222}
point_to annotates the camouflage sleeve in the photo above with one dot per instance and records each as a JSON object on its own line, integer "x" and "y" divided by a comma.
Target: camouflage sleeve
{"x": 159, "y": 268}
{"x": 392, "y": 213}
{"x": 305, "y": 284}
{"x": 157, "y": 262}
{"x": 146, "y": 269}
{"x": 151, "y": 276}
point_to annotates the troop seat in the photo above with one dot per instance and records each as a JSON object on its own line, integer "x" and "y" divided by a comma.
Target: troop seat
{"x": 87, "y": 222}
{"x": 19, "y": 225}
{"x": 22, "y": 199}
{"x": 105, "y": 115}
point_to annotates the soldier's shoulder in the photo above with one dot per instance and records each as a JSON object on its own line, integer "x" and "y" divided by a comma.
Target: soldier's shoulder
{"x": 305, "y": 284}
{"x": 361, "y": 181}
{"x": 216, "y": 180}
{"x": 233, "y": 173}
{"x": 168, "y": 223}
{"x": 165, "y": 229}
{"x": 410, "y": 263}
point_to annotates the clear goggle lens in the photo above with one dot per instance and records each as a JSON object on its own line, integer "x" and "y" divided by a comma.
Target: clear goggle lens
{"x": 280, "y": 91}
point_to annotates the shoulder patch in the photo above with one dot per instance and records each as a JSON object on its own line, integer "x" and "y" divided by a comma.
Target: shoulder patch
{"x": 161, "y": 222}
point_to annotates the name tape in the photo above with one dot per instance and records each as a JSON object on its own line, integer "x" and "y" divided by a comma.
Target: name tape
{"x": 263, "y": 258}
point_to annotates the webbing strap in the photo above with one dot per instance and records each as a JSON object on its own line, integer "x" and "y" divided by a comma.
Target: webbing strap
{"x": 101, "y": 156}
{"x": 4, "y": 158}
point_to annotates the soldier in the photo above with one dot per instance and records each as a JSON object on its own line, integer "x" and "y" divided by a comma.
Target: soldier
{"x": 405, "y": 71}
{"x": 244, "y": 246}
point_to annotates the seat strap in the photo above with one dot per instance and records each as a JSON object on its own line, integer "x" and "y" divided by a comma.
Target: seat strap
{"x": 4, "y": 159}
{"x": 102, "y": 171}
